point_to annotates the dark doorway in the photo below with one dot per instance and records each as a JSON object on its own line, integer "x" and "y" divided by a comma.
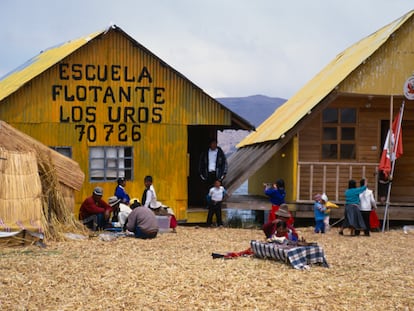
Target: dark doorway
{"x": 198, "y": 139}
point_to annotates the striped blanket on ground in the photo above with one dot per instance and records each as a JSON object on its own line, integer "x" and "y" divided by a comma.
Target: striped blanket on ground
{"x": 300, "y": 257}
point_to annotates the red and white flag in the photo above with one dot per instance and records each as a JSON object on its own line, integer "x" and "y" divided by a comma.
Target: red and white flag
{"x": 393, "y": 147}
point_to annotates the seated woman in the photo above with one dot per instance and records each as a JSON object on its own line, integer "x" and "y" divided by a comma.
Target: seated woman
{"x": 282, "y": 234}
{"x": 161, "y": 210}
{"x": 282, "y": 214}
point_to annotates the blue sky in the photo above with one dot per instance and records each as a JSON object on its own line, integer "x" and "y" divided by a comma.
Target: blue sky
{"x": 229, "y": 48}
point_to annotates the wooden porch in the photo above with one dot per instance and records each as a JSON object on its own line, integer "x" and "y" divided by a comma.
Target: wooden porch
{"x": 300, "y": 210}
{"x": 332, "y": 178}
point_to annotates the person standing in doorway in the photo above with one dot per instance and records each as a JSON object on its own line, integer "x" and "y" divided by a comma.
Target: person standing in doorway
{"x": 212, "y": 164}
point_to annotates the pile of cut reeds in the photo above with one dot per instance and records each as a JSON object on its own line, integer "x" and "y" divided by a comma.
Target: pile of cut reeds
{"x": 20, "y": 192}
{"x": 59, "y": 216}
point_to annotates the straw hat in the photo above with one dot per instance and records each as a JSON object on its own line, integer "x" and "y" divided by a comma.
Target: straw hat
{"x": 283, "y": 211}
{"x": 155, "y": 205}
{"x": 113, "y": 201}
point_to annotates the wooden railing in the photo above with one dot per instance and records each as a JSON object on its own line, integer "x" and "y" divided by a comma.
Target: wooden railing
{"x": 332, "y": 178}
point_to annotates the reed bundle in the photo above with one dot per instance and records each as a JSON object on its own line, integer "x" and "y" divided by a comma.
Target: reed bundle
{"x": 57, "y": 212}
{"x": 37, "y": 185}
{"x": 20, "y": 191}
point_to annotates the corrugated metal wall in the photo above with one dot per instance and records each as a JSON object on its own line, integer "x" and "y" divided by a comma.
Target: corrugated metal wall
{"x": 155, "y": 126}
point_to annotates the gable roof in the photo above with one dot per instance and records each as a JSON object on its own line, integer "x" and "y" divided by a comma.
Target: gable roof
{"x": 311, "y": 94}
{"x": 17, "y": 78}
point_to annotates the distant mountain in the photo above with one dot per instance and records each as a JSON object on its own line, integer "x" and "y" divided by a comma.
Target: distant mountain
{"x": 254, "y": 109}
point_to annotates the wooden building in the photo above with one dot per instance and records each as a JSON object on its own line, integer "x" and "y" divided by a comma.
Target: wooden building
{"x": 118, "y": 110}
{"x": 333, "y": 129}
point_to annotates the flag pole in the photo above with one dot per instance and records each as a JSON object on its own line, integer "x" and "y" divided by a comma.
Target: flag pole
{"x": 393, "y": 155}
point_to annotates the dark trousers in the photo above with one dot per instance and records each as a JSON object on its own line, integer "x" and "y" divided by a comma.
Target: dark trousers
{"x": 214, "y": 208}
{"x": 319, "y": 226}
{"x": 140, "y": 234}
{"x": 365, "y": 216}
{"x": 211, "y": 179}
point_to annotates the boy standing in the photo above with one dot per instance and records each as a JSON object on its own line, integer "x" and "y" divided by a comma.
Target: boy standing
{"x": 216, "y": 196}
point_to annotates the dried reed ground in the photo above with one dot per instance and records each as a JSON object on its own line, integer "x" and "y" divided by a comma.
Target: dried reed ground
{"x": 176, "y": 272}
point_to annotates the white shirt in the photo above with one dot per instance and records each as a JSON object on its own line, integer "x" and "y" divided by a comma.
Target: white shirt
{"x": 212, "y": 159}
{"x": 151, "y": 196}
{"x": 124, "y": 211}
{"x": 216, "y": 194}
{"x": 367, "y": 201}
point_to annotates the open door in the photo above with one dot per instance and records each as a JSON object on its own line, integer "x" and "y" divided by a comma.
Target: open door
{"x": 198, "y": 139}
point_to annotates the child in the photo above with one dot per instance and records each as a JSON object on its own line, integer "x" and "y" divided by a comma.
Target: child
{"x": 329, "y": 206}
{"x": 324, "y": 201}
{"x": 319, "y": 210}
{"x": 149, "y": 194}
{"x": 281, "y": 234}
{"x": 216, "y": 196}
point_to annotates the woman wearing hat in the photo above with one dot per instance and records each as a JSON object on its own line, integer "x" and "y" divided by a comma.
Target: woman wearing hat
{"x": 120, "y": 210}
{"x": 282, "y": 214}
{"x": 161, "y": 210}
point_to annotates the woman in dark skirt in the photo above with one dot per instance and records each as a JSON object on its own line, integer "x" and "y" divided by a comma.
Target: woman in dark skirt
{"x": 353, "y": 217}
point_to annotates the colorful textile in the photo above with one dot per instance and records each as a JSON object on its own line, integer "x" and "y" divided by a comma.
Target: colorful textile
{"x": 300, "y": 257}
{"x": 373, "y": 220}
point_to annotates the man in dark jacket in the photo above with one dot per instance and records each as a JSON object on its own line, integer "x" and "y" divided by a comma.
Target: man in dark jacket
{"x": 213, "y": 164}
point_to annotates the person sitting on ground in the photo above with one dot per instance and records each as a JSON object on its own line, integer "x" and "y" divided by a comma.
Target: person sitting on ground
{"x": 120, "y": 211}
{"x": 161, "y": 210}
{"x": 142, "y": 222}
{"x": 282, "y": 214}
{"x": 120, "y": 191}
{"x": 282, "y": 234}
{"x": 95, "y": 212}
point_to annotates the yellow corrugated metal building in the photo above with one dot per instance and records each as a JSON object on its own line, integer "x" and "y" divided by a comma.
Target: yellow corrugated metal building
{"x": 119, "y": 111}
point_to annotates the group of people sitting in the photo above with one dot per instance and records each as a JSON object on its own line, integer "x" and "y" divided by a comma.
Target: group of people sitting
{"x": 126, "y": 214}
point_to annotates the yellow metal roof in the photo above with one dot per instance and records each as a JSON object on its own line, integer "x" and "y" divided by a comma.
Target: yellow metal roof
{"x": 300, "y": 104}
{"x": 14, "y": 80}
{"x": 38, "y": 64}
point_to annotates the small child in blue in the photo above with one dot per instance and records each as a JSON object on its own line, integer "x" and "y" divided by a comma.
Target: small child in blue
{"x": 319, "y": 210}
